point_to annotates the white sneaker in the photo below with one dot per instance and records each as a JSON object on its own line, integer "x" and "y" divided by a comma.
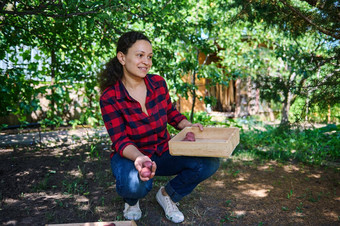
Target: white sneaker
{"x": 132, "y": 212}
{"x": 169, "y": 207}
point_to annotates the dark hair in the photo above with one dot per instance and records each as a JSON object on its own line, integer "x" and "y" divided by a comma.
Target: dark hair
{"x": 113, "y": 70}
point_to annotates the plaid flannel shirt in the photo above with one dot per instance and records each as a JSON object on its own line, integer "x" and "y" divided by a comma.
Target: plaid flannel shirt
{"x": 127, "y": 124}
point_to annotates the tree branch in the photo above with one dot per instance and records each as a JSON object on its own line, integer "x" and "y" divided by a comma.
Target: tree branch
{"x": 36, "y": 12}
{"x": 323, "y": 30}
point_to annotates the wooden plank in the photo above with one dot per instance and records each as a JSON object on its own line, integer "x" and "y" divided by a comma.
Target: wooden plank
{"x": 110, "y": 223}
{"x": 211, "y": 142}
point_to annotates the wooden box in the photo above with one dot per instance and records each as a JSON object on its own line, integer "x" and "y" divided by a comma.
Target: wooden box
{"x": 211, "y": 142}
{"x": 111, "y": 223}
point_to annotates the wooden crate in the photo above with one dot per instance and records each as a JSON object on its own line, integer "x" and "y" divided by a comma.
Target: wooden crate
{"x": 211, "y": 142}
{"x": 111, "y": 223}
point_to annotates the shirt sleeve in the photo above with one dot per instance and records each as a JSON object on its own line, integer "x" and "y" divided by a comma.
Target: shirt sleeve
{"x": 174, "y": 116}
{"x": 115, "y": 126}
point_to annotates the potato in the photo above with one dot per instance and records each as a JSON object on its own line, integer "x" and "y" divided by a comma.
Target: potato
{"x": 190, "y": 136}
{"x": 147, "y": 164}
{"x": 145, "y": 172}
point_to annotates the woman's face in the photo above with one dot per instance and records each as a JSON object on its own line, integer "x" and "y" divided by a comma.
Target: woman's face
{"x": 138, "y": 60}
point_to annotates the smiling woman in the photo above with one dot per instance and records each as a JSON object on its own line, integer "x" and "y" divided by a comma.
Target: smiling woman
{"x": 136, "y": 109}
{"x": 130, "y": 45}
{"x": 137, "y": 61}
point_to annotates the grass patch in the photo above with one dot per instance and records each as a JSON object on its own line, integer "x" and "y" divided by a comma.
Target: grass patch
{"x": 311, "y": 146}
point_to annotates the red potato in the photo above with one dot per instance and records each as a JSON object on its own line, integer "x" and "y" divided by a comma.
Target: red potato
{"x": 147, "y": 169}
{"x": 147, "y": 164}
{"x": 190, "y": 136}
{"x": 146, "y": 172}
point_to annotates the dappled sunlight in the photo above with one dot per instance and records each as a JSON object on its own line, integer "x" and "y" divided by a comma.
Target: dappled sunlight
{"x": 267, "y": 166}
{"x": 298, "y": 218}
{"x": 6, "y": 150}
{"x": 243, "y": 177}
{"x": 256, "y": 191}
{"x": 260, "y": 193}
{"x": 219, "y": 183}
{"x": 317, "y": 176}
{"x": 10, "y": 201}
{"x": 81, "y": 199}
{"x": 297, "y": 215}
{"x": 26, "y": 172}
{"x": 11, "y": 222}
{"x": 84, "y": 207}
{"x": 290, "y": 168}
{"x": 75, "y": 173}
{"x": 332, "y": 214}
{"x": 240, "y": 213}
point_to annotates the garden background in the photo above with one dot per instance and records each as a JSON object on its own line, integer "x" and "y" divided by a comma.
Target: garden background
{"x": 270, "y": 68}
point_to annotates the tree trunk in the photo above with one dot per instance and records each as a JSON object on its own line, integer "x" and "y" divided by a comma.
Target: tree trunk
{"x": 285, "y": 109}
{"x": 193, "y": 97}
{"x": 53, "y": 69}
{"x": 284, "y": 113}
{"x": 238, "y": 97}
{"x": 329, "y": 114}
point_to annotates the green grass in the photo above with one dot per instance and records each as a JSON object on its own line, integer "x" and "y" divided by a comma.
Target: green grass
{"x": 311, "y": 146}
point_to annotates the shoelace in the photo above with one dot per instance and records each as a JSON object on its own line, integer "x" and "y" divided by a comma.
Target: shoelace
{"x": 171, "y": 206}
{"x": 135, "y": 207}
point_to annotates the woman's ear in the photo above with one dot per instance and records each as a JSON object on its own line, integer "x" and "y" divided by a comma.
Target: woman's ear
{"x": 121, "y": 58}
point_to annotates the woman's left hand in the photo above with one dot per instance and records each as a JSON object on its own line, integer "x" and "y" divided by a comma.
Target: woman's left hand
{"x": 185, "y": 123}
{"x": 198, "y": 125}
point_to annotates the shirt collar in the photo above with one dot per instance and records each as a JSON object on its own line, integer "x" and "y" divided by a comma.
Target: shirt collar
{"x": 122, "y": 92}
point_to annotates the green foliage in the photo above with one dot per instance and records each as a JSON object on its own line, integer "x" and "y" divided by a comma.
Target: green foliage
{"x": 55, "y": 50}
{"x": 294, "y": 16}
{"x": 205, "y": 120}
{"x": 25, "y": 99}
{"x": 315, "y": 113}
{"x": 94, "y": 152}
{"x": 314, "y": 146}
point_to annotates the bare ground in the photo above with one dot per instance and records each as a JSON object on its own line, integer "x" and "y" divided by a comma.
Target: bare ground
{"x": 66, "y": 182}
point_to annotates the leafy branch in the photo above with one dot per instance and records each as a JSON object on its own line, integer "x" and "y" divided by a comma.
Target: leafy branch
{"x": 333, "y": 33}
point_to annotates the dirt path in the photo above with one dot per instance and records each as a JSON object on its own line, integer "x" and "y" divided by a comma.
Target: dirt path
{"x": 25, "y": 137}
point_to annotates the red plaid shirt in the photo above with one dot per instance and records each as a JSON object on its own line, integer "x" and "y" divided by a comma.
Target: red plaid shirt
{"x": 127, "y": 124}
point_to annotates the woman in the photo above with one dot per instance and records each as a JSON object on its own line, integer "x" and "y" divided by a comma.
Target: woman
{"x": 136, "y": 108}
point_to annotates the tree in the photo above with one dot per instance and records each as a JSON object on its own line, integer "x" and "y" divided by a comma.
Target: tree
{"x": 294, "y": 16}
{"x": 65, "y": 50}
{"x": 73, "y": 40}
{"x": 301, "y": 54}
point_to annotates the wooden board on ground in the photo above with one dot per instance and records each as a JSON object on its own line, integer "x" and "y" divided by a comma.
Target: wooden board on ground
{"x": 111, "y": 223}
{"x": 211, "y": 142}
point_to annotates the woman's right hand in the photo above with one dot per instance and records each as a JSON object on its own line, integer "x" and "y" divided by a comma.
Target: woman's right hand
{"x": 139, "y": 166}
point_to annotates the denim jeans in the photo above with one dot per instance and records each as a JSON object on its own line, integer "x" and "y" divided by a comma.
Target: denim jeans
{"x": 189, "y": 171}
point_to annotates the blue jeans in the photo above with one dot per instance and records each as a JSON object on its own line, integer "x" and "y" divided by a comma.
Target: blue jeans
{"x": 190, "y": 172}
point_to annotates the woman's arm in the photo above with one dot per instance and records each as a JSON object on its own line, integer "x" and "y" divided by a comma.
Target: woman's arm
{"x": 185, "y": 123}
{"x": 132, "y": 153}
